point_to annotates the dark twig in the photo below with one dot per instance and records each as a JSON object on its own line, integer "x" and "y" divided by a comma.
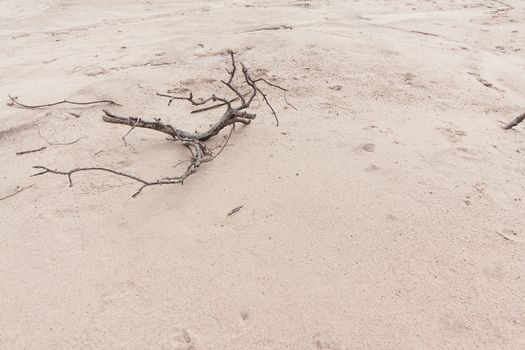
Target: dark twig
{"x": 271, "y": 84}
{"x": 269, "y": 105}
{"x": 234, "y": 210}
{"x": 288, "y": 103}
{"x": 17, "y": 191}
{"x": 215, "y": 106}
{"x": 515, "y": 122}
{"x": 31, "y": 151}
{"x": 14, "y": 101}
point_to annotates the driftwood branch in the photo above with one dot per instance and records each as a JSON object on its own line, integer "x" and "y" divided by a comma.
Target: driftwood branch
{"x": 193, "y": 141}
{"x": 515, "y": 122}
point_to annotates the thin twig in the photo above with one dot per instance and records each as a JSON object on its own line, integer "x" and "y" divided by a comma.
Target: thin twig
{"x": 217, "y": 105}
{"x": 130, "y": 130}
{"x": 17, "y": 191}
{"x": 14, "y": 101}
{"x": 288, "y": 103}
{"x": 234, "y": 210}
{"x": 269, "y": 105}
{"x": 31, "y": 151}
{"x": 223, "y": 146}
{"x": 57, "y": 143}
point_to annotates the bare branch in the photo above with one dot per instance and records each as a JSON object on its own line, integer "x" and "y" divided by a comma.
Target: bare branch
{"x": 31, "y": 151}
{"x": 15, "y": 102}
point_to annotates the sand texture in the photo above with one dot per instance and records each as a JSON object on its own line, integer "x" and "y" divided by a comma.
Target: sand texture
{"x": 386, "y": 212}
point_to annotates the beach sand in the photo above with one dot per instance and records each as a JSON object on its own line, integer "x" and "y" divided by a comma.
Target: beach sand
{"x": 386, "y": 212}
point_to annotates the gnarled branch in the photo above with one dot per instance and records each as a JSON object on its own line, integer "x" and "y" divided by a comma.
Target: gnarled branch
{"x": 194, "y": 141}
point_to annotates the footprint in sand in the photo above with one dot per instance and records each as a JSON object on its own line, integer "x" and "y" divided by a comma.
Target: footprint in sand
{"x": 454, "y": 135}
{"x": 367, "y": 147}
{"x": 179, "y": 340}
{"x": 511, "y": 235}
{"x": 323, "y": 341}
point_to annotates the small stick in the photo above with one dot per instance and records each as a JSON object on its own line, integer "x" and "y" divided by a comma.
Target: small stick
{"x": 515, "y": 122}
{"x": 223, "y": 146}
{"x": 14, "y": 101}
{"x": 31, "y": 151}
{"x": 57, "y": 143}
{"x": 17, "y": 191}
{"x": 130, "y": 130}
{"x": 234, "y": 210}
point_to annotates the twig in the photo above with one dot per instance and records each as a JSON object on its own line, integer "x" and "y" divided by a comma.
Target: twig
{"x": 515, "y": 122}
{"x": 14, "y": 101}
{"x": 216, "y": 106}
{"x": 223, "y": 146}
{"x": 269, "y": 105}
{"x": 57, "y": 143}
{"x": 283, "y": 26}
{"x": 31, "y": 151}
{"x": 424, "y": 33}
{"x": 288, "y": 103}
{"x": 234, "y": 210}
{"x": 17, "y": 191}
{"x": 130, "y": 130}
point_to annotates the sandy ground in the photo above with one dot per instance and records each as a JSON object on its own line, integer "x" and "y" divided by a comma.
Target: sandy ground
{"x": 387, "y": 212}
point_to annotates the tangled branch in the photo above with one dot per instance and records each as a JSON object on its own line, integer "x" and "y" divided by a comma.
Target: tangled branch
{"x": 194, "y": 141}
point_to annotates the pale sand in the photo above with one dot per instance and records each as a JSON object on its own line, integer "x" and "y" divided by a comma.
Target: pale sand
{"x": 384, "y": 214}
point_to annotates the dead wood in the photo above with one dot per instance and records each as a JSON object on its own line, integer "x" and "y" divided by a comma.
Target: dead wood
{"x": 193, "y": 141}
{"x": 31, "y": 151}
{"x": 515, "y": 122}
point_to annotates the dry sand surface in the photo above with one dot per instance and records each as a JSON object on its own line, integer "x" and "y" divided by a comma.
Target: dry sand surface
{"x": 386, "y": 212}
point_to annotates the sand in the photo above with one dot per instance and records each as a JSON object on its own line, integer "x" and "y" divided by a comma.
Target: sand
{"x": 386, "y": 212}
